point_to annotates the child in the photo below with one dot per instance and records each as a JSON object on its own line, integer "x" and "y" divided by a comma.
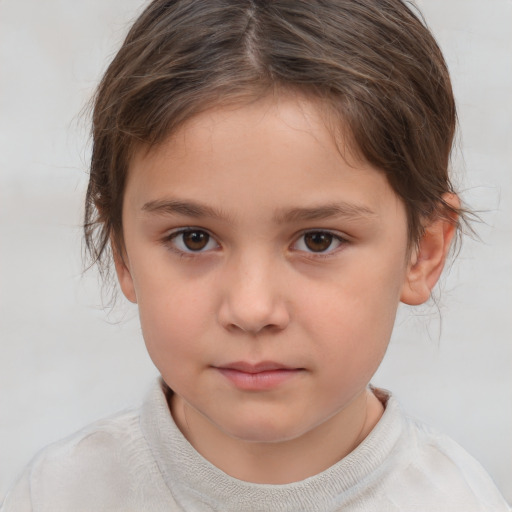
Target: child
{"x": 271, "y": 179}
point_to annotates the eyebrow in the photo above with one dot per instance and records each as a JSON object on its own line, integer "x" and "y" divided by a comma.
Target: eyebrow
{"x": 197, "y": 210}
{"x": 328, "y": 211}
{"x": 185, "y": 208}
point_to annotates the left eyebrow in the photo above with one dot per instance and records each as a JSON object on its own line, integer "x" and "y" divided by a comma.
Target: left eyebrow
{"x": 333, "y": 210}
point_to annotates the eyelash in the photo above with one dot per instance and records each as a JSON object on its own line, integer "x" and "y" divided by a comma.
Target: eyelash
{"x": 168, "y": 241}
{"x": 187, "y": 252}
{"x": 341, "y": 241}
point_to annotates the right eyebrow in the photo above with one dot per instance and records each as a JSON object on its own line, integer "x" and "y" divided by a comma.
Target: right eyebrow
{"x": 185, "y": 208}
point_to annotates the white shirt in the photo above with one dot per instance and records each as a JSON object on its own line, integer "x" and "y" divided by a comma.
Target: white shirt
{"x": 140, "y": 461}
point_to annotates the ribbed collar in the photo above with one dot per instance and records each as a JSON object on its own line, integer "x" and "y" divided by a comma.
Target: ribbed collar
{"x": 196, "y": 483}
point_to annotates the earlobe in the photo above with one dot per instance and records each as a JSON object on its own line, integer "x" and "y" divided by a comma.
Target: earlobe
{"x": 124, "y": 277}
{"x": 428, "y": 258}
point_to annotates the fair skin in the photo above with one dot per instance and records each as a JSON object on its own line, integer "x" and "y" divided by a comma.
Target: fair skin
{"x": 267, "y": 269}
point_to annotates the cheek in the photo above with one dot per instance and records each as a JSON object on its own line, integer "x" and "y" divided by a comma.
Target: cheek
{"x": 364, "y": 297}
{"x": 173, "y": 318}
{"x": 352, "y": 339}
{"x": 352, "y": 317}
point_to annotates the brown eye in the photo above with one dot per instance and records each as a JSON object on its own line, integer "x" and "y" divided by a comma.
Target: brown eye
{"x": 195, "y": 240}
{"x": 188, "y": 241}
{"x": 318, "y": 241}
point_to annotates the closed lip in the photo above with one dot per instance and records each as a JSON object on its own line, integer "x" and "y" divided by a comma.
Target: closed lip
{"x": 260, "y": 367}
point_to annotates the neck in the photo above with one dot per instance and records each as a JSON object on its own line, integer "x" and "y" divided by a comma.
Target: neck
{"x": 286, "y": 461}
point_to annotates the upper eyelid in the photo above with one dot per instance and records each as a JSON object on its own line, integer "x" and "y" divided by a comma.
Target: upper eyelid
{"x": 173, "y": 233}
{"x": 335, "y": 233}
{"x": 177, "y": 231}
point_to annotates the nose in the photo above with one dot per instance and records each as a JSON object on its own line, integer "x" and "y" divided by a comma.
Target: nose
{"x": 253, "y": 298}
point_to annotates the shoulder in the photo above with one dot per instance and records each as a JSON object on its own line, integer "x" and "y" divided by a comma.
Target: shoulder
{"x": 75, "y": 464}
{"x": 101, "y": 467}
{"x": 97, "y": 449}
{"x": 428, "y": 463}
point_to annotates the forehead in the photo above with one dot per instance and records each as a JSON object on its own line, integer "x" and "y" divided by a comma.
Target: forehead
{"x": 274, "y": 151}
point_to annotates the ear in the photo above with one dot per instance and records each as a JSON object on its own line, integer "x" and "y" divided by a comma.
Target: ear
{"x": 124, "y": 275}
{"x": 428, "y": 258}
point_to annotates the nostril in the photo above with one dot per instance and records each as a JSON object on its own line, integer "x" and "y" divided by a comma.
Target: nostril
{"x": 250, "y": 298}
{"x": 253, "y": 320}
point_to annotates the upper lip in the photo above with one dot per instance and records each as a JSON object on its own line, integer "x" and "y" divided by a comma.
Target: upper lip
{"x": 263, "y": 366}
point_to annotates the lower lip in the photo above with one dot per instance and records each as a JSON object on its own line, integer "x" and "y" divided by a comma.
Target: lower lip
{"x": 260, "y": 381}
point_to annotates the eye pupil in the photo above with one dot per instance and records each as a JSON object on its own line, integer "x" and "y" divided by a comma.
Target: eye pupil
{"x": 195, "y": 240}
{"x": 318, "y": 241}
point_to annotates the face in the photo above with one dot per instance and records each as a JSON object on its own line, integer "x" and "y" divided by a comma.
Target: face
{"x": 267, "y": 268}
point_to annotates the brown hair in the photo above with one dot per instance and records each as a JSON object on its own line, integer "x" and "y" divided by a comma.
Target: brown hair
{"x": 373, "y": 63}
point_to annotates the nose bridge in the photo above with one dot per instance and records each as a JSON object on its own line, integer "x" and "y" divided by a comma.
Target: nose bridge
{"x": 253, "y": 296}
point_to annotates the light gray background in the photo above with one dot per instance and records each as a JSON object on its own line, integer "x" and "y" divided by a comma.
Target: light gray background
{"x": 65, "y": 362}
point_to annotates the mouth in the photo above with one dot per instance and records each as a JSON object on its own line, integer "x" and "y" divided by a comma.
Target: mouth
{"x": 262, "y": 376}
